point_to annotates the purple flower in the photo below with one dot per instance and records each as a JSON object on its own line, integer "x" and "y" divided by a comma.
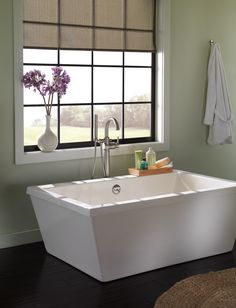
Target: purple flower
{"x": 60, "y": 81}
{"x": 36, "y": 80}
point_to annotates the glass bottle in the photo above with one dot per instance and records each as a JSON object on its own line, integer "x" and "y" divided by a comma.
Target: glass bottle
{"x": 150, "y": 157}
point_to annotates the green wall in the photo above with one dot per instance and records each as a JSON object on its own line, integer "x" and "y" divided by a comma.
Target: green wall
{"x": 193, "y": 24}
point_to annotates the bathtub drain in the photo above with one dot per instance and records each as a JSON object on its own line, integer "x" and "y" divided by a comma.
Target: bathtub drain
{"x": 116, "y": 189}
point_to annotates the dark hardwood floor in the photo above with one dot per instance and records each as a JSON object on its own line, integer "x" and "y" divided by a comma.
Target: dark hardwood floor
{"x": 31, "y": 278}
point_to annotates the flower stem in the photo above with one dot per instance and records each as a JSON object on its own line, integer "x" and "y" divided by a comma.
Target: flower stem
{"x": 44, "y": 100}
{"x": 50, "y": 108}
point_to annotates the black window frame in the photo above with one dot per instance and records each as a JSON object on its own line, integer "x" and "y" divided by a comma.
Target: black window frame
{"x": 61, "y": 146}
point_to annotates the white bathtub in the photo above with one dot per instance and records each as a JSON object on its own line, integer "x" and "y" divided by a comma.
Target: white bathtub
{"x": 144, "y": 223}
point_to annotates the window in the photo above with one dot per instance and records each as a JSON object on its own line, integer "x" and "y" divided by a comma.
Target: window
{"x": 130, "y": 54}
{"x": 118, "y": 84}
{"x": 108, "y": 49}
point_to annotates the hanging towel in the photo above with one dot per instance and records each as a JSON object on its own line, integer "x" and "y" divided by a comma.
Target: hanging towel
{"x": 218, "y": 113}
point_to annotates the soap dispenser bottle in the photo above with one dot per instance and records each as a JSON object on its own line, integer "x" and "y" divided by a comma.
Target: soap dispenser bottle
{"x": 150, "y": 157}
{"x": 144, "y": 164}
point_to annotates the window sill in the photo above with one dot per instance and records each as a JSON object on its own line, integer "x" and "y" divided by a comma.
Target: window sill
{"x": 83, "y": 153}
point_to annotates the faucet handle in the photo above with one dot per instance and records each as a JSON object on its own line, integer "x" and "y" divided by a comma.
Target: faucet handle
{"x": 114, "y": 144}
{"x": 100, "y": 141}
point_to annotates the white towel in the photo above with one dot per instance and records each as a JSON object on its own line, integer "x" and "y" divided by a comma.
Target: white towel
{"x": 218, "y": 113}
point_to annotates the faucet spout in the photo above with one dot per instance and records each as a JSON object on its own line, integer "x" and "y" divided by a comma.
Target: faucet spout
{"x": 107, "y": 125}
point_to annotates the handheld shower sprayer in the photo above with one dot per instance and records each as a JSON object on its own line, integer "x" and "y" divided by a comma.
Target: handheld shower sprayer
{"x": 95, "y": 129}
{"x": 95, "y": 140}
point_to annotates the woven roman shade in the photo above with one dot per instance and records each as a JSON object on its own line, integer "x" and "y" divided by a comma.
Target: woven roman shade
{"x": 90, "y": 24}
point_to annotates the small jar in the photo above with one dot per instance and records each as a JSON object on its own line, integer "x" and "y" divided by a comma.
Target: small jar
{"x": 143, "y": 164}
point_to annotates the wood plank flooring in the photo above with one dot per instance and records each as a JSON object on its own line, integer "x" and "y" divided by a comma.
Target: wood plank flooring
{"x": 31, "y": 278}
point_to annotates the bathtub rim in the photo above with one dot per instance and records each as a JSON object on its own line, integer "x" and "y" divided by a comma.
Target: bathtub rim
{"x": 40, "y": 192}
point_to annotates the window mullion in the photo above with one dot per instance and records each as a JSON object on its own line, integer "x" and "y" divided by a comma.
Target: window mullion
{"x": 58, "y": 106}
{"x": 123, "y": 95}
{"x": 92, "y": 96}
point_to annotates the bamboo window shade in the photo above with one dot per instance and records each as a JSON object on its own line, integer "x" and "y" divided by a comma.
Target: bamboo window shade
{"x": 127, "y": 25}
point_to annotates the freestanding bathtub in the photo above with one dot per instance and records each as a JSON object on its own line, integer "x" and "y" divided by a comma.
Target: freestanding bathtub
{"x": 116, "y": 227}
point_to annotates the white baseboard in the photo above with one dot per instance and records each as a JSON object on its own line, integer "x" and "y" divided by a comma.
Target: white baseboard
{"x": 20, "y": 238}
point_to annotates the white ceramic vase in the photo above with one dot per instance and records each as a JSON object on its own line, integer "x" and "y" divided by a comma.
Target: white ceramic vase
{"x": 48, "y": 141}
